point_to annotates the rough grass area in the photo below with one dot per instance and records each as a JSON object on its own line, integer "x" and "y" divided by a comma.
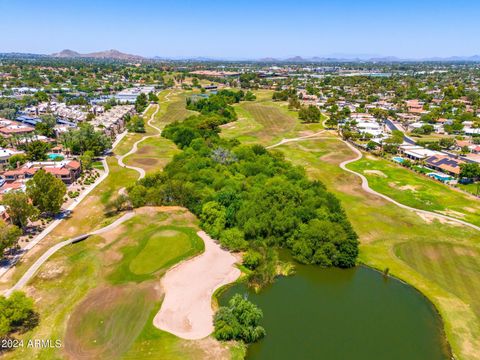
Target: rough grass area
{"x": 90, "y": 214}
{"x": 417, "y": 191}
{"x": 84, "y": 301}
{"x": 153, "y": 154}
{"x": 105, "y": 324}
{"x": 455, "y": 267}
{"x": 266, "y": 121}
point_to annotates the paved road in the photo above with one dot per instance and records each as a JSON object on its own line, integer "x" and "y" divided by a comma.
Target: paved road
{"x": 367, "y": 188}
{"x": 41, "y": 260}
{"x": 392, "y": 126}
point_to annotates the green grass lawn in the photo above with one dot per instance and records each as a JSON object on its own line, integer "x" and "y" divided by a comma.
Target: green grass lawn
{"x": 473, "y": 188}
{"x": 163, "y": 247}
{"x": 153, "y": 154}
{"x": 266, "y": 122}
{"x": 418, "y": 191}
{"x": 383, "y": 226}
{"x": 454, "y": 267}
{"x": 83, "y": 300}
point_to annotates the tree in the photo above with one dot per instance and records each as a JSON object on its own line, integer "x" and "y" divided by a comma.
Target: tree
{"x": 86, "y": 159}
{"x": 371, "y": 145}
{"x": 16, "y": 313}
{"x": 136, "y": 124}
{"x": 152, "y": 97}
{"x": 19, "y": 208}
{"x": 141, "y": 103}
{"x": 470, "y": 171}
{"x": 86, "y": 138}
{"x": 37, "y": 150}
{"x": 310, "y": 114}
{"x": 9, "y": 235}
{"x": 233, "y": 239}
{"x": 17, "y": 160}
{"x": 47, "y": 126}
{"x": 238, "y": 321}
{"x": 213, "y": 218}
{"x": 46, "y": 191}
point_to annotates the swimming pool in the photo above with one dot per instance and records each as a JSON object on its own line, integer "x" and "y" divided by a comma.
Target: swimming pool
{"x": 55, "y": 157}
{"x": 398, "y": 159}
{"x": 441, "y": 177}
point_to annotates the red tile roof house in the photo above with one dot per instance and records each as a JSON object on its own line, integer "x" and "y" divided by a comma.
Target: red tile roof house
{"x": 9, "y": 128}
{"x": 67, "y": 171}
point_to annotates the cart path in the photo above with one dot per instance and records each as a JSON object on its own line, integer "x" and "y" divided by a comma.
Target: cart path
{"x": 300, "y": 138}
{"x": 134, "y": 148}
{"x": 365, "y": 185}
{"x": 47, "y": 254}
{"x": 369, "y": 190}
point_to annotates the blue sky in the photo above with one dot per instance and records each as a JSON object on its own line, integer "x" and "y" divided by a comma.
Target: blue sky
{"x": 243, "y": 28}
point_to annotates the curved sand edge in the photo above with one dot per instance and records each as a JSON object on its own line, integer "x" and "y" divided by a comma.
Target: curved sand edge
{"x": 186, "y": 310}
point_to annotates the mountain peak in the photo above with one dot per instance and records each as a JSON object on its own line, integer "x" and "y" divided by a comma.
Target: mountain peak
{"x": 108, "y": 54}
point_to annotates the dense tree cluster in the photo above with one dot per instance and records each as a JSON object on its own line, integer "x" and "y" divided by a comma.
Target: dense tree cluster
{"x": 135, "y": 124}
{"x": 309, "y": 114}
{"x": 239, "y": 321}
{"x": 46, "y": 192}
{"x": 86, "y": 138}
{"x": 141, "y": 103}
{"x": 250, "y": 198}
{"x": 470, "y": 171}
{"x": 219, "y": 103}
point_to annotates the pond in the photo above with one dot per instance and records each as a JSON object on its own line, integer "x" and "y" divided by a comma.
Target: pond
{"x": 344, "y": 314}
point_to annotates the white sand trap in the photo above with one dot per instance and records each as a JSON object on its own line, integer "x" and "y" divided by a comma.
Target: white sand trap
{"x": 187, "y": 307}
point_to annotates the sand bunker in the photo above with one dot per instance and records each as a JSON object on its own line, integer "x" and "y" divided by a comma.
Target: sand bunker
{"x": 187, "y": 307}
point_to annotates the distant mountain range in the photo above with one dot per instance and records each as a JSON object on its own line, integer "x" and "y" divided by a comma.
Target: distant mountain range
{"x": 108, "y": 54}
{"x": 334, "y": 58}
{"x": 385, "y": 59}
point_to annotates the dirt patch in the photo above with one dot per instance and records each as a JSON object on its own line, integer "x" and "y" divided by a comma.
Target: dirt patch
{"x": 462, "y": 250}
{"x": 375, "y": 172}
{"x": 453, "y": 213}
{"x": 432, "y": 253}
{"x": 51, "y": 270}
{"x": 145, "y": 149}
{"x": 471, "y": 210}
{"x": 430, "y": 218}
{"x": 153, "y": 210}
{"x": 106, "y": 323}
{"x": 112, "y": 235}
{"x": 168, "y": 233}
{"x": 208, "y": 348}
{"x": 146, "y": 161}
{"x": 408, "y": 187}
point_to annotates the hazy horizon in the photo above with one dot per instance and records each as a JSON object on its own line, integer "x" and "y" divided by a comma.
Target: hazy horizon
{"x": 244, "y": 30}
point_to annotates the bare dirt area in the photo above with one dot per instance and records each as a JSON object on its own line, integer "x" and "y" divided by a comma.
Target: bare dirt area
{"x": 375, "y": 172}
{"x": 209, "y": 348}
{"x": 186, "y": 310}
{"x": 430, "y": 218}
{"x": 107, "y": 321}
